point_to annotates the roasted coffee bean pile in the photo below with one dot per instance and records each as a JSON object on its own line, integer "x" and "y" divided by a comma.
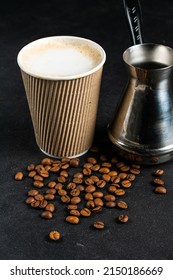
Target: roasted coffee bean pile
{"x": 85, "y": 188}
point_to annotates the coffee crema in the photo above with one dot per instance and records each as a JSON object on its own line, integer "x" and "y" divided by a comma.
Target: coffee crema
{"x": 58, "y": 57}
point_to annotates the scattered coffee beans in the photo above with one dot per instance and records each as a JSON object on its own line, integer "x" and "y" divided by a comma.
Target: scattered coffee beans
{"x": 83, "y": 189}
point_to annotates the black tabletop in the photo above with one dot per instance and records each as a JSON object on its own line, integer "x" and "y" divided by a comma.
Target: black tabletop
{"x": 23, "y": 234}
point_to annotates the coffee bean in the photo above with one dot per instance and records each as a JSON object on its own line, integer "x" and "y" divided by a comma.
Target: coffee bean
{"x": 54, "y": 169}
{"x": 46, "y": 215}
{"x": 30, "y": 167}
{"x": 112, "y": 189}
{"x": 119, "y": 192}
{"x": 65, "y": 165}
{"x": 43, "y": 203}
{"x": 86, "y": 171}
{"x": 160, "y": 190}
{"x": 91, "y": 160}
{"x": 72, "y": 207}
{"x": 104, "y": 170}
{"x": 98, "y": 201}
{"x": 90, "y": 204}
{"x": 158, "y": 181}
{"x": 136, "y": 166}
{"x": 65, "y": 198}
{"x": 61, "y": 179}
{"x": 32, "y": 192}
{"x": 46, "y": 161}
{"x": 120, "y": 164}
{"x": 54, "y": 235}
{"x": 51, "y": 191}
{"x": 98, "y": 225}
{"x": 97, "y": 194}
{"x": 123, "y": 218}
{"x": 71, "y": 186}
{"x": 134, "y": 171}
{"x": 30, "y": 199}
{"x": 35, "y": 203}
{"x": 88, "y": 196}
{"x": 87, "y": 165}
{"x": 78, "y": 181}
{"x": 72, "y": 219}
{"x": 56, "y": 163}
{"x": 74, "y": 162}
{"x": 74, "y": 212}
{"x": 110, "y": 204}
{"x": 39, "y": 167}
{"x": 122, "y": 204}
{"x": 38, "y": 178}
{"x": 115, "y": 179}
{"x": 159, "y": 172}
{"x": 125, "y": 168}
{"x": 49, "y": 196}
{"x": 95, "y": 167}
{"x": 58, "y": 186}
{"x": 89, "y": 181}
{"x": 39, "y": 197}
{"x": 113, "y": 173}
{"x": 122, "y": 176}
{"x": 62, "y": 192}
{"x": 51, "y": 184}
{"x": 106, "y": 164}
{"x": 106, "y": 177}
{"x": 115, "y": 185}
{"x": 50, "y": 207}
{"x": 94, "y": 178}
{"x": 80, "y": 188}
{"x": 78, "y": 175}
{"x": 90, "y": 188}
{"x": 19, "y": 176}
{"x": 47, "y": 167}
{"x": 38, "y": 184}
{"x": 43, "y": 173}
{"x": 131, "y": 177}
{"x": 109, "y": 197}
{"x": 101, "y": 184}
{"x": 97, "y": 209}
{"x": 65, "y": 160}
{"x": 75, "y": 192}
{"x": 64, "y": 173}
{"x": 75, "y": 200}
{"x": 85, "y": 212}
{"x": 126, "y": 184}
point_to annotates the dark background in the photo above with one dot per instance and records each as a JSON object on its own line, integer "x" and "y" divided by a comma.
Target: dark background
{"x": 23, "y": 234}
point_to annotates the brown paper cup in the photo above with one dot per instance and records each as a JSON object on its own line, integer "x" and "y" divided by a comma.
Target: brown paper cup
{"x": 63, "y": 106}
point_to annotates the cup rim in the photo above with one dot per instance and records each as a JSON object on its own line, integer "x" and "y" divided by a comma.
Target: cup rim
{"x": 145, "y": 45}
{"x": 68, "y": 77}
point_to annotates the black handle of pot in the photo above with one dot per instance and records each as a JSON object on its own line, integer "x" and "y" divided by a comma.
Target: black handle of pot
{"x": 134, "y": 18}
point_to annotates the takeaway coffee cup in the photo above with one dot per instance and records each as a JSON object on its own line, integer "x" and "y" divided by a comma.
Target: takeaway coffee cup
{"x": 62, "y": 78}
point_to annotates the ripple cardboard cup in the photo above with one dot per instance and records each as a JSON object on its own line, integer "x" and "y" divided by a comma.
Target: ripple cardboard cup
{"x": 62, "y": 78}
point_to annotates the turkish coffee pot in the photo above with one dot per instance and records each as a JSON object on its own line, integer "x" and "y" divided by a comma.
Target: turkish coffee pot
{"x": 142, "y": 129}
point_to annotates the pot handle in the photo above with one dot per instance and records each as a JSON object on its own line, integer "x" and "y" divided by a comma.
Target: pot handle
{"x": 134, "y": 19}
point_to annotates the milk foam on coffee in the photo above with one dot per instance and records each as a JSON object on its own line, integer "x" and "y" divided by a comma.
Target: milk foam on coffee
{"x": 59, "y": 58}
